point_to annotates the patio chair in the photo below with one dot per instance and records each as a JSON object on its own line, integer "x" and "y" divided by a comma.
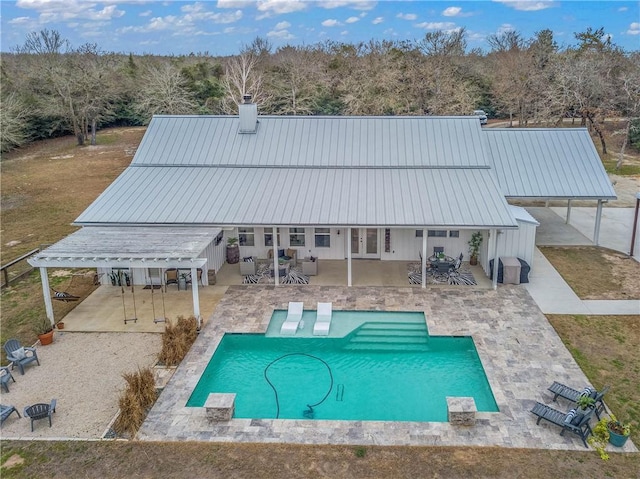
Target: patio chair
{"x": 5, "y": 375}
{"x": 560, "y": 390}
{"x": 40, "y": 411}
{"x": 323, "y": 320}
{"x": 293, "y": 320}
{"x": 5, "y": 412}
{"x": 189, "y": 280}
{"x": 576, "y": 422}
{"x": 170, "y": 277}
{"x": 20, "y": 355}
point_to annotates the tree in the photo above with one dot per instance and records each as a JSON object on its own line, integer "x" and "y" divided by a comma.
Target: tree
{"x": 163, "y": 91}
{"x": 13, "y": 122}
{"x": 243, "y": 78}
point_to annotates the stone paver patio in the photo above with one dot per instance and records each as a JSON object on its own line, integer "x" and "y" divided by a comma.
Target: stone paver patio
{"x": 520, "y": 351}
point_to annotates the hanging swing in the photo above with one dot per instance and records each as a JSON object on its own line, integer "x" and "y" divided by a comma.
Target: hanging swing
{"x": 153, "y": 307}
{"x": 64, "y": 295}
{"x": 133, "y": 294}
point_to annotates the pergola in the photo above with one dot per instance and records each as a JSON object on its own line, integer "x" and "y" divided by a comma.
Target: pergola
{"x": 127, "y": 247}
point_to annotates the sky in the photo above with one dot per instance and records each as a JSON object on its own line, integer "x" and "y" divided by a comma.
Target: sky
{"x": 224, "y": 27}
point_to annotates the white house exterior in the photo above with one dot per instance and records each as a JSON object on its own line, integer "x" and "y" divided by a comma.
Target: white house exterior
{"x": 387, "y": 188}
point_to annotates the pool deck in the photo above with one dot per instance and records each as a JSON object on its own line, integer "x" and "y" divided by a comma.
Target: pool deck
{"x": 520, "y": 351}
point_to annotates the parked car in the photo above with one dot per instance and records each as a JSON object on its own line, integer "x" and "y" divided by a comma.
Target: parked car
{"x": 482, "y": 115}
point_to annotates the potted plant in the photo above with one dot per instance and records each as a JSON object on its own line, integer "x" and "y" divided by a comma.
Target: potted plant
{"x": 474, "y": 247}
{"x": 44, "y": 330}
{"x": 609, "y": 430}
{"x": 585, "y": 402}
{"x": 233, "y": 252}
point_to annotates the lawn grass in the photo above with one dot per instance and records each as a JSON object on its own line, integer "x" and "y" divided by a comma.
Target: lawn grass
{"x": 288, "y": 461}
{"x": 607, "y": 349}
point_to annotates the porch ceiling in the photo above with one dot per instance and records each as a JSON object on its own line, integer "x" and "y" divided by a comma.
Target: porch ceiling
{"x": 133, "y": 247}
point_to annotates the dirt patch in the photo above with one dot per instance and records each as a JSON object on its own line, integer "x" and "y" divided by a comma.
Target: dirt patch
{"x": 596, "y": 273}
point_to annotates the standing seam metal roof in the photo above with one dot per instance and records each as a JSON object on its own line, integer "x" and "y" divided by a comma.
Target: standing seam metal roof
{"x": 547, "y": 163}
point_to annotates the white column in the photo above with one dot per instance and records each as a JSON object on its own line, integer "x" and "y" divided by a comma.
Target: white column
{"x": 496, "y": 258}
{"x": 596, "y": 230}
{"x": 276, "y": 273}
{"x": 424, "y": 258}
{"x": 568, "y": 211}
{"x": 194, "y": 292}
{"x": 46, "y": 292}
{"x": 348, "y": 256}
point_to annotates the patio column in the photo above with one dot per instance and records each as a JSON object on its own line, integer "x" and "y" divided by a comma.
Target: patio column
{"x": 496, "y": 259}
{"x": 46, "y": 292}
{"x": 276, "y": 272}
{"x": 348, "y": 256}
{"x": 568, "y": 211}
{"x": 194, "y": 292}
{"x": 596, "y": 230}
{"x": 423, "y": 266}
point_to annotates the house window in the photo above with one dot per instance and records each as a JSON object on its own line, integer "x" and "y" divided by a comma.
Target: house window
{"x": 268, "y": 236}
{"x": 437, "y": 234}
{"x": 454, "y": 234}
{"x": 296, "y": 236}
{"x": 246, "y": 237}
{"x": 323, "y": 238}
{"x": 418, "y": 233}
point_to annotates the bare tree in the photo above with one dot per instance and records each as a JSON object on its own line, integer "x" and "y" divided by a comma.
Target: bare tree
{"x": 13, "y": 122}
{"x": 241, "y": 78}
{"x": 163, "y": 92}
{"x": 629, "y": 89}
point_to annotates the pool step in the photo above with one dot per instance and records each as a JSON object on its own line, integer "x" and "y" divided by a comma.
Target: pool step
{"x": 389, "y": 336}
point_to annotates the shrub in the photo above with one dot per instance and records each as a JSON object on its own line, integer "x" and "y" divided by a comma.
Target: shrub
{"x": 135, "y": 401}
{"x": 177, "y": 340}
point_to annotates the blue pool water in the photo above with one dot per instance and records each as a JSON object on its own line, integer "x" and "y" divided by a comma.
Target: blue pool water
{"x": 387, "y": 371}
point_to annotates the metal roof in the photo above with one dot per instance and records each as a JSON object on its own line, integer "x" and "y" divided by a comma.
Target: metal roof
{"x": 234, "y": 196}
{"x": 547, "y": 163}
{"x": 128, "y": 246}
{"x": 313, "y": 141}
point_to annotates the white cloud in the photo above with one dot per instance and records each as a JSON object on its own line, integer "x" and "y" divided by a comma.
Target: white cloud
{"x": 377, "y": 20}
{"x": 451, "y": 11}
{"x": 59, "y": 10}
{"x": 355, "y": 4}
{"x": 233, "y": 3}
{"x": 344, "y": 33}
{"x": 504, "y": 28}
{"x": 407, "y": 16}
{"x": 446, "y": 26}
{"x": 352, "y": 20}
{"x": 278, "y": 7}
{"x": 331, "y": 23}
{"x": 623, "y": 9}
{"x": 282, "y": 26}
{"x": 634, "y": 29}
{"x": 528, "y": 5}
{"x": 20, "y": 21}
{"x": 280, "y": 34}
{"x": 146, "y": 13}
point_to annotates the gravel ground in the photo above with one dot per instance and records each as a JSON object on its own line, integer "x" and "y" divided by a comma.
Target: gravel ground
{"x": 83, "y": 371}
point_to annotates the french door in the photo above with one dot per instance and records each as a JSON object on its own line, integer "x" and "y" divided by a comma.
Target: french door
{"x": 365, "y": 243}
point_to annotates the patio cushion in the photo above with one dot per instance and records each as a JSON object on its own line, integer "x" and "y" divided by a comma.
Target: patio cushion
{"x": 20, "y": 353}
{"x": 570, "y": 416}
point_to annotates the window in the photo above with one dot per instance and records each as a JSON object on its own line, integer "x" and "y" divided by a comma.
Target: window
{"x": 296, "y": 236}
{"x": 418, "y": 233}
{"x": 246, "y": 237}
{"x": 454, "y": 234}
{"x": 437, "y": 234}
{"x": 268, "y": 236}
{"x": 323, "y": 238}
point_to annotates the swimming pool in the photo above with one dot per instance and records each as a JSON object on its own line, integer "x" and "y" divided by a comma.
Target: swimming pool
{"x": 381, "y": 370}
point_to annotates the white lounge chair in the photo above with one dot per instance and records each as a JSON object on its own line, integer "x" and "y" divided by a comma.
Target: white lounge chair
{"x": 294, "y": 317}
{"x": 323, "y": 320}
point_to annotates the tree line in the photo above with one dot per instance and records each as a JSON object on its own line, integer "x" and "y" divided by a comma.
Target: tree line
{"x": 50, "y": 88}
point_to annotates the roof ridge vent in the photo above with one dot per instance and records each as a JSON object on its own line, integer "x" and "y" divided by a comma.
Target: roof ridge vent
{"x": 248, "y": 113}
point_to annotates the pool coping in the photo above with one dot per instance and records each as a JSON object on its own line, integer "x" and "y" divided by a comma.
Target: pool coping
{"x": 519, "y": 350}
